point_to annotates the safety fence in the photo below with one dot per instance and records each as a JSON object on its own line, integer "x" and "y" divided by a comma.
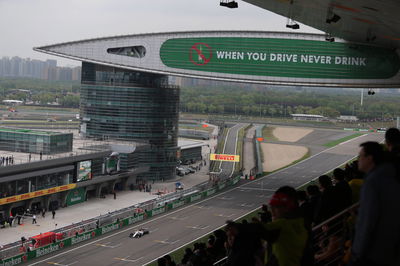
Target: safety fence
{"x": 20, "y": 252}
{"x": 257, "y": 149}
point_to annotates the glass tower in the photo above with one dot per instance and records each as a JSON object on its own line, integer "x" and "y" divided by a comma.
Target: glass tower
{"x": 124, "y": 104}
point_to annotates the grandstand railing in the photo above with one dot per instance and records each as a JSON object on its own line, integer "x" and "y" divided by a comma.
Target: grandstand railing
{"x": 338, "y": 229}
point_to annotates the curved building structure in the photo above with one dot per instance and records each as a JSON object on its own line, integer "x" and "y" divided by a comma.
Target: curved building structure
{"x": 125, "y": 91}
{"x": 123, "y": 104}
{"x": 243, "y": 56}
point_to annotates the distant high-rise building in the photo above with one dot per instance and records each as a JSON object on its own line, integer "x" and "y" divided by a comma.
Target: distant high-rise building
{"x": 32, "y": 68}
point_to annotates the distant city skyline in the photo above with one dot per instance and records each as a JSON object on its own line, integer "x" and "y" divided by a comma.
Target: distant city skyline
{"x": 17, "y": 67}
{"x": 31, "y": 23}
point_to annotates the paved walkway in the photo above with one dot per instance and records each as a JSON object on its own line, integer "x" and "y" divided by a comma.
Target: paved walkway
{"x": 97, "y": 206}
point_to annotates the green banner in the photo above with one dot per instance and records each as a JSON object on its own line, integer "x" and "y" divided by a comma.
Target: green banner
{"x": 110, "y": 227}
{"x": 195, "y": 197}
{"x": 14, "y": 260}
{"x": 277, "y": 57}
{"x": 82, "y": 237}
{"x": 177, "y": 204}
{"x": 133, "y": 219}
{"x": 46, "y": 250}
{"x": 157, "y": 211}
{"x": 76, "y": 196}
{"x": 210, "y": 191}
{"x": 221, "y": 186}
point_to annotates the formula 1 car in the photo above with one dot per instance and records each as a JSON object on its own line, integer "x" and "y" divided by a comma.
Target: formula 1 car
{"x": 139, "y": 233}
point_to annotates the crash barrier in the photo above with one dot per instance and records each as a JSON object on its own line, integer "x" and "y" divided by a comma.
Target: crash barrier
{"x": 103, "y": 224}
{"x": 257, "y": 149}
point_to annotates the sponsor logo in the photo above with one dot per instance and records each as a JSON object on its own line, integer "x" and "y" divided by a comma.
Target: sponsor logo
{"x": 44, "y": 251}
{"x": 110, "y": 228}
{"x": 76, "y": 199}
{"x": 178, "y": 204}
{"x": 210, "y": 192}
{"x": 12, "y": 261}
{"x": 193, "y": 198}
{"x": 158, "y": 211}
{"x": 133, "y": 220}
{"x": 200, "y": 54}
{"x": 78, "y": 239}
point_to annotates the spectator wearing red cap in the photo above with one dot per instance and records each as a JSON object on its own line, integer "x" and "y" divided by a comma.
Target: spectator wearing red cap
{"x": 286, "y": 233}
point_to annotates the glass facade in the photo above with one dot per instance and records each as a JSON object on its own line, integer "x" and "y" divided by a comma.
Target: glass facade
{"x": 36, "y": 183}
{"x": 32, "y": 141}
{"x": 124, "y": 104}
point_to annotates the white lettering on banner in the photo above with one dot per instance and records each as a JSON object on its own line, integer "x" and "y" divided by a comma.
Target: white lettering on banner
{"x": 13, "y": 261}
{"x": 78, "y": 239}
{"x": 193, "y": 198}
{"x": 177, "y": 204}
{"x": 109, "y": 228}
{"x": 135, "y": 219}
{"x": 158, "y": 211}
{"x": 44, "y": 251}
{"x": 350, "y": 61}
{"x": 230, "y": 55}
{"x": 294, "y": 58}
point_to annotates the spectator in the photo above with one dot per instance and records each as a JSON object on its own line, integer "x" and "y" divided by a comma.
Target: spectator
{"x": 342, "y": 190}
{"x": 187, "y": 256}
{"x": 169, "y": 261}
{"x": 392, "y": 139}
{"x": 286, "y": 232}
{"x": 305, "y": 208}
{"x": 327, "y": 207}
{"x": 355, "y": 180}
{"x": 243, "y": 244}
{"x": 314, "y": 198}
{"x": 377, "y": 234}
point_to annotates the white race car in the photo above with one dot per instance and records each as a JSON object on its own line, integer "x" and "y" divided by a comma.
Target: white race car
{"x": 139, "y": 233}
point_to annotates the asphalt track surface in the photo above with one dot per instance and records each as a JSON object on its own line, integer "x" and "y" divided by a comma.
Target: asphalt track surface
{"x": 174, "y": 229}
{"x": 227, "y": 168}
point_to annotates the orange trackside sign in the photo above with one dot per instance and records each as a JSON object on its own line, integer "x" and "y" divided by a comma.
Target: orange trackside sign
{"x": 224, "y": 157}
{"x": 36, "y": 194}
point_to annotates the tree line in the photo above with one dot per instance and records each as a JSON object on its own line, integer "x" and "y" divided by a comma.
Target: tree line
{"x": 234, "y": 99}
{"x": 282, "y": 102}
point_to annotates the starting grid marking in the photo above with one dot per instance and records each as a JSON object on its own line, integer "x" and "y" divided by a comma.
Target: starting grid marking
{"x": 198, "y": 227}
{"x": 128, "y": 260}
{"x": 166, "y": 242}
{"x": 59, "y": 264}
{"x": 248, "y": 189}
{"x": 105, "y": 245}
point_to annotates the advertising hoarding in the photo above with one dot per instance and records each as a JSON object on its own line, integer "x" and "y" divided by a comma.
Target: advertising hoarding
{"x": 84, "y": 171}
{"x": 224, "y": 157}
{"x": 279, "y": 57}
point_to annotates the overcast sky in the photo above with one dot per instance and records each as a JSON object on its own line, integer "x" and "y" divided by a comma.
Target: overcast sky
{"x": 25, "y": 24}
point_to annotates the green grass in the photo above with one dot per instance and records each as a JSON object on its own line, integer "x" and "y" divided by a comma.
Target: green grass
{"x": 336, "y": 142}
{"x": 197, "y": 127}
{"x": 267, "y": 134}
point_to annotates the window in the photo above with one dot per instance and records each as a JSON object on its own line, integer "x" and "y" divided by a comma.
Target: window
{"x": 132, "y": 51}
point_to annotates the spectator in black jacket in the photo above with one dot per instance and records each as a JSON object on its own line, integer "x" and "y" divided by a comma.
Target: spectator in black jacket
{"x": 341, "y": 189}
{"x": 328, "y": 205}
